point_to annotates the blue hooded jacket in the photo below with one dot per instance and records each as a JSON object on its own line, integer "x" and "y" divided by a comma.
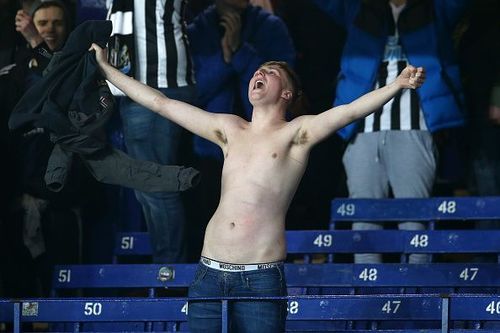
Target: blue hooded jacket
{"x": 425, "y": 29}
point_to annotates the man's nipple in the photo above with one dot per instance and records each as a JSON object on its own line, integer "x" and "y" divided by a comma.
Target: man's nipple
{"x": 232, "y": 225}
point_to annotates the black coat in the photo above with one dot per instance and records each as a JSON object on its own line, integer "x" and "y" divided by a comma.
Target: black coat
{"x": 73, "y": 103}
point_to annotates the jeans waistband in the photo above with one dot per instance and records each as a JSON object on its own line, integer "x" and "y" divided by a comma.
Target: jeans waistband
{"x": 228, "y": 267}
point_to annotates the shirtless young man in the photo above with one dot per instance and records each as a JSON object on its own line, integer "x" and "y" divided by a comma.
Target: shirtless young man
{"x": 265, "y": 158}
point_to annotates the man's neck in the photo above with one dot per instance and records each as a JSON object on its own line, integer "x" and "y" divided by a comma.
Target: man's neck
{"x": 267, "y": 116}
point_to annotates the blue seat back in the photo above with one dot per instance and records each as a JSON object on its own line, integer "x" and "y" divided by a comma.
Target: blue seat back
{"x": 347, "y": 241}
{"x": 428, "y": 209}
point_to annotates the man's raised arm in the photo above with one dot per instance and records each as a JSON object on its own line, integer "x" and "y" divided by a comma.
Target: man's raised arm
{"x": 195, "y": 120}
{"x": 325, "y": 123}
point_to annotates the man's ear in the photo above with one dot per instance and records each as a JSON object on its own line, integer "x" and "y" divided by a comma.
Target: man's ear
{"x": 286, "y": 94}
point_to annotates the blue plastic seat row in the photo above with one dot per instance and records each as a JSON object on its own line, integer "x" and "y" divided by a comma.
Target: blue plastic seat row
{"x": 298, "y": 275}
{"x": 323, "y": 311}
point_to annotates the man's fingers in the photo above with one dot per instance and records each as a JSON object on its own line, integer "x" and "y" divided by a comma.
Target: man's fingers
{"x": 228, "y": 26}
{"x": 420, "y": 72}
{"x": 21, "y": 16}
{"x": 494, "y": 114}
{"x": 225, "y": 50}
{"x": 20, "y": 13}
{"x": 410, "y": 69}
{"x": 234, "y": 19}
{"x": 94, "y": 46}
{"x": 412, "y": 77}
{"x": 418, "y": 83}
{"x": 230, "y": 21}
{"x": 22, "y": 21}
{"x": 415, "y": 83}
{"x": 231, "y": 16}
{"x": 225, "y": 25}
{"x": 420, "y": 76}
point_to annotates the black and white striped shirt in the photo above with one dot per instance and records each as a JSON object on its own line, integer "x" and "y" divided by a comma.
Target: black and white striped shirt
{"x": 403, "y": 112}
{"x": 160, "y": 40}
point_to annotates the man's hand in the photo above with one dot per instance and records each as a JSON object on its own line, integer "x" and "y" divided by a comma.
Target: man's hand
{"x": 411, "y": 77}
{"x": 265, "y": 4}
{"x": 24, "y": 25}
{"x": 101, "y": 55}
{"x": 494, "y": 109}
{"x": 494, "y": 114}
{"x": 231, "y": 22}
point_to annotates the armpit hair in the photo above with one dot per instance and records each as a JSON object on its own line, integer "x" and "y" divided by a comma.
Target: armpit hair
{"x": 301, "y": 138}
{"x": 221, "y": 136}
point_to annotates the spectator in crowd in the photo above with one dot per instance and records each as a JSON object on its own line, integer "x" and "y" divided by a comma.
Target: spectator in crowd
{"x": 229, "y": 40}
{"x": 393, "y": 148}
{"x": 264, "y": 160}
{"x": 44, "y": 27}
{"x": 42, "y": 226}
{"x": 150, "y": 44}
{"x": 48, "y": 23}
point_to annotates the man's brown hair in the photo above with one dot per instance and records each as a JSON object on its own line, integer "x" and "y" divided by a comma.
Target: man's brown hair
{"x": 294, "y": 81}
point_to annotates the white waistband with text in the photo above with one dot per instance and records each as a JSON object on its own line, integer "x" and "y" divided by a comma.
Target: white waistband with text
{"x": 227, "y": 267}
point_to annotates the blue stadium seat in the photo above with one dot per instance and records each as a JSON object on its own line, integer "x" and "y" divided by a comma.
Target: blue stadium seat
{"x": 6, "y": 310}
{"x": 321, "y": 309}
{"x": 450, "y": 312}
{"x": 346, "y": 276}
{"x": 429, "y": 209}
{"x": 347, "y": 241}
{"x": 317, "y": 311}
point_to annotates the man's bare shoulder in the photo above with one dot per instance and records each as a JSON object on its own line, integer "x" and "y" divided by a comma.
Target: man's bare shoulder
{"x": 232, "y": 119}
{"x": 231, "y": 122}
{"x": 231, "y": 125}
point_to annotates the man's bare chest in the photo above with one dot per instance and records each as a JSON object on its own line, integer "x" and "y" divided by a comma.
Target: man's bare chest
{"x": 268, "y": 149}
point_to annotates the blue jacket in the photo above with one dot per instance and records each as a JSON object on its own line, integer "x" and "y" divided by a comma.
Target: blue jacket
{"x": 425, "y": 29}
{"x": 264, "y": 37}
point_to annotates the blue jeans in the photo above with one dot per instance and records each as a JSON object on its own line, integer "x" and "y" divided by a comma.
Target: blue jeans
{"x": 244, "y": 316}
{"x": 150, "y": 137}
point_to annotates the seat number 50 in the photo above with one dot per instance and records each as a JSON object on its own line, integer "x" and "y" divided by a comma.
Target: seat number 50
{"x": 92, "y": 309}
